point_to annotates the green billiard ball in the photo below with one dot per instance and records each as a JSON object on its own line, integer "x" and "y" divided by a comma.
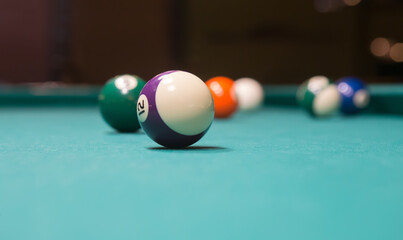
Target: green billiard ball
{"x": 319, "y": 96}
{"x": 118, "y": 102}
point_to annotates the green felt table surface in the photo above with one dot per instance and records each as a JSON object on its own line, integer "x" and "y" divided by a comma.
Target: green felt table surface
{"x": 273, "y": 174}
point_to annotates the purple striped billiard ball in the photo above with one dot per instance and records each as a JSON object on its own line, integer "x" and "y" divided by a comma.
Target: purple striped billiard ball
{"x": 175, "y": 109}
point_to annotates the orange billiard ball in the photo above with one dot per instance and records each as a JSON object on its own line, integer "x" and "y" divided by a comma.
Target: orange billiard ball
{"x": 224, "y": 96}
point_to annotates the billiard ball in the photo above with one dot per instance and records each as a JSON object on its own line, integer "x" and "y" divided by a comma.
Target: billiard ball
{"x": 249, "y": 93}
{"x": 118, "y": 102}
{"x": 354, "y": 95}
{"x": 175, "y": 109}
{"x": 319, "y": 96}
{"x": 223, "y": 91}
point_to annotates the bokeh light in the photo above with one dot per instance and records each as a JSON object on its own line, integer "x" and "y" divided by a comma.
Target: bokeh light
{"x": 351, "y": 2}
{"x": 380, "y": 47}
{"x": 396, "y": 52}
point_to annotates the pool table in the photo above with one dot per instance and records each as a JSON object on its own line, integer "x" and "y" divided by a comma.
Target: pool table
{"x": 275, "y": 173}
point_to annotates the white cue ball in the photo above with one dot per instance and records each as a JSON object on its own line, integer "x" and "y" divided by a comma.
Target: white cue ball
{"x": 250, "y": 93}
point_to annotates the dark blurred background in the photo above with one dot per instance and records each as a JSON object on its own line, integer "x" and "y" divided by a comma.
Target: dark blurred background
{"x": 276, "y": 42}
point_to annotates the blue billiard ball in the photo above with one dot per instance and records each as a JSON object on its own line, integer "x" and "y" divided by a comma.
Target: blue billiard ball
{"x": 354, "y": 95}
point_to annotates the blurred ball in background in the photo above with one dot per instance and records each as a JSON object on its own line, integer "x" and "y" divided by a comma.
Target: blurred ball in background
{"x": 250, "y": 94}
{"x": 319, "y": 96}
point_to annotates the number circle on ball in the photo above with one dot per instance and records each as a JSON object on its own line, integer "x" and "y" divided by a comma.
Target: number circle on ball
{"x": 126, "y": 83}
{"x": 142, "y": 108}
